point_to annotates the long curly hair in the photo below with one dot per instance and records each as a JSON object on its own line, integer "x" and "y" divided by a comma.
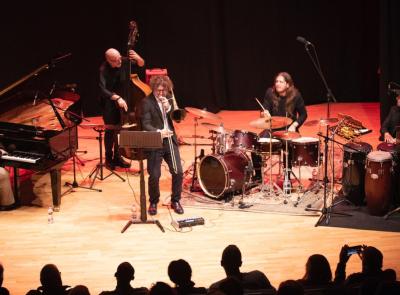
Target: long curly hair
{"x": 291, "y": 92}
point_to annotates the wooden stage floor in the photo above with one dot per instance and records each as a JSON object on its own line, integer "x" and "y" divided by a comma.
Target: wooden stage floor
{"x": 86, "y": 244}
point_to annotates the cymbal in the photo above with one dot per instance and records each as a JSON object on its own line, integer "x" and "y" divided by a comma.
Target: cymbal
{"x": 286, "y": 135}
{"x": 325, "y": 122}
{"x": 216, "y": 127}
{"x": 203, "y": 114}
{"x": 275, "y": 122}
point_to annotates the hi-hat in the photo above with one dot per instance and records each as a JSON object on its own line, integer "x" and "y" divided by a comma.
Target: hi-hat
{"x": 216, "y": 128}
{"x": 274, "y": 123}
{"x": 322, "y": 122}
{"x": 286, "y": 135}
{"x": 203, "y": 114}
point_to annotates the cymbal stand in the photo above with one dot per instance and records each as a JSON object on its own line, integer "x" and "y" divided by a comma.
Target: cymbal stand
{"x": 269, "y": 189}
{"x": 326, "y": 211}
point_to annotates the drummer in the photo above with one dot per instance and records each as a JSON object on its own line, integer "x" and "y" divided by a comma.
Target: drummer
{"x": 282, "y": 99}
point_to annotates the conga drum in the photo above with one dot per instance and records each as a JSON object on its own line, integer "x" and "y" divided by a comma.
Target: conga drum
{"x": 353, "y": 173}
{"x": 378, "y": 182}
{"x": 394, "y": 150}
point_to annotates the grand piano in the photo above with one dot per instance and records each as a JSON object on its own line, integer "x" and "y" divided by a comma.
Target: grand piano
{"x": 37, "y": 132}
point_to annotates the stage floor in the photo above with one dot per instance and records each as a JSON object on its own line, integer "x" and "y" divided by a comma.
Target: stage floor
{"x": 86, "y": 243}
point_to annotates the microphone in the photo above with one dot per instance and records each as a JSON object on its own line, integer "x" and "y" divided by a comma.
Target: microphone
{"x": 303, "y": 40}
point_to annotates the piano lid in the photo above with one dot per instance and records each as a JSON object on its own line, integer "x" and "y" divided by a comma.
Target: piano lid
{"x": 37, "y": 113}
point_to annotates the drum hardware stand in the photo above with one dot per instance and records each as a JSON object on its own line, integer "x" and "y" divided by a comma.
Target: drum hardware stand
{"x": 326, "y": 211}
{"x": 247, "y": 175}
{"x": 98, "y": 170}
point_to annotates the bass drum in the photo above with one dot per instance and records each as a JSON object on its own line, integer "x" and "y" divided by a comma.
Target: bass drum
{"x": 353, "y": 173}
{"x": 221, "y": 174}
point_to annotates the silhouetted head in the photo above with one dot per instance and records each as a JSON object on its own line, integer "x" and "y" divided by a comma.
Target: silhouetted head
{"x": 290, "y": 287}
{"x": 125, "y": 272}
{"x": 1, "y": 274}
{"x": 372, "y": 260}
{"x": 79, "y": 290}
{"x": 50, "y": 277}
{"x": 318, "y": 270}
{"x": 231, "y": 258}
{"x": 161, "y": 288}
{"x": 179, "y": 272}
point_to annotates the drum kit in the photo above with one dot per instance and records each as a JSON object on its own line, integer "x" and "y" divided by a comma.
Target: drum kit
{"x": 229, "y": 168}
{"x": 367, "y": 176}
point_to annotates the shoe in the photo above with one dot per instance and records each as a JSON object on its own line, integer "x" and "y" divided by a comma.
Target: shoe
{"x": 121, "y": 163}
{"x": 152, "y": 209}
{"x": 9, "y": 207}
{"x": 177, "y": 207}
{"x": 110, "y": 165}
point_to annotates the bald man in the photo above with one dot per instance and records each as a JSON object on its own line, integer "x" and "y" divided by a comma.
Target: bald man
{"x": 114, "y": 76}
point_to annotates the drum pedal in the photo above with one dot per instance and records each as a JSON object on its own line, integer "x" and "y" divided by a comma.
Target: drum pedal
{"x": 187, "y": 222}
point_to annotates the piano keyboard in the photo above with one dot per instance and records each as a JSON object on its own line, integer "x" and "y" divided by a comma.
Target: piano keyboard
{"x": 22, "y": 157}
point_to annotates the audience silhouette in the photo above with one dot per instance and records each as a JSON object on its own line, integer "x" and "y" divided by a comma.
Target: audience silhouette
{"x": 3, "y": 290}
{"x": 290, "y": 287}
{"x": 372, "y": 261}
{"x": 79, "y": 290}
{"x": 50, "y": 278}
{"x": 124, "y": 275}
{"x": 180, "y": 273}
{"x": 318, "y": 272}
{"x": 231, "y": 262}
{"x": 161, "y": 288}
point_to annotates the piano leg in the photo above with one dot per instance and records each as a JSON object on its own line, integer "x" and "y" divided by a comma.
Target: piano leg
{"x": 16, "y": 186}
{"x": 55, "y": 175}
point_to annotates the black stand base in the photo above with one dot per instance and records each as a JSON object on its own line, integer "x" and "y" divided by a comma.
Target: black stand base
{"x": 132, "y": 221}
{"x": 326, "y": 214}
{"x": 392, "y": 212}
{"x": 98, "y": 174}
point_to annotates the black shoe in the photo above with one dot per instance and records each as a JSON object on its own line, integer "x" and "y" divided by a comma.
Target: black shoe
{"x": 9, "y": 207}
{"x": 177, "y": 207}
{"x": 110, "y": 165}
{"x": 121, "y": 163}
{"x": 152, "y": 209}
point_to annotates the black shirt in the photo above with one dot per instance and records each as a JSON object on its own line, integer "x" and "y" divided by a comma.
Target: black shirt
{"x": 392, "y": 120}
{"x": 299, "y": 110}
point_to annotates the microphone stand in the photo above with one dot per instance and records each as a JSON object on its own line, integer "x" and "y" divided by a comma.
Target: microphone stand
{"x": 325, "y": 211}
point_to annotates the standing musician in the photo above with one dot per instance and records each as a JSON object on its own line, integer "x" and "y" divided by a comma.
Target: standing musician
{"x": 114, "y": 76}
{"x": 155, "y": 116}
{"x": 282, "y": 99}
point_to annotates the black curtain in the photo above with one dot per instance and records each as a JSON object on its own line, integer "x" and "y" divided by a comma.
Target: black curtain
{"x": 220, "y": 54}
{"x": 389, "y": 52}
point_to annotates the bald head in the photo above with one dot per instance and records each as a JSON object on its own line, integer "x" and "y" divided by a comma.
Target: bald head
{"x": 113, "y": 57}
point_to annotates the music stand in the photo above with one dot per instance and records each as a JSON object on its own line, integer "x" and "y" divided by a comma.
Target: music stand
{"x": 140, "y": 140}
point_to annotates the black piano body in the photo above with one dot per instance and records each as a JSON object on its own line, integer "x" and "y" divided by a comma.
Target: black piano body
{"x": 37, "y": 133}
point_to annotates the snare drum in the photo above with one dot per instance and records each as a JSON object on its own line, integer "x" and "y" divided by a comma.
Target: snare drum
{"x": 378, "y": 182}
{"x": 244, "y": 139}
{"x": 305, "y": 151}
{"x": 263, "y": 145}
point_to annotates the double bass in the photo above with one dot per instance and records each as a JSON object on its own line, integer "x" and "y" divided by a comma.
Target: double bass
{"x": 134, "y": 92}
